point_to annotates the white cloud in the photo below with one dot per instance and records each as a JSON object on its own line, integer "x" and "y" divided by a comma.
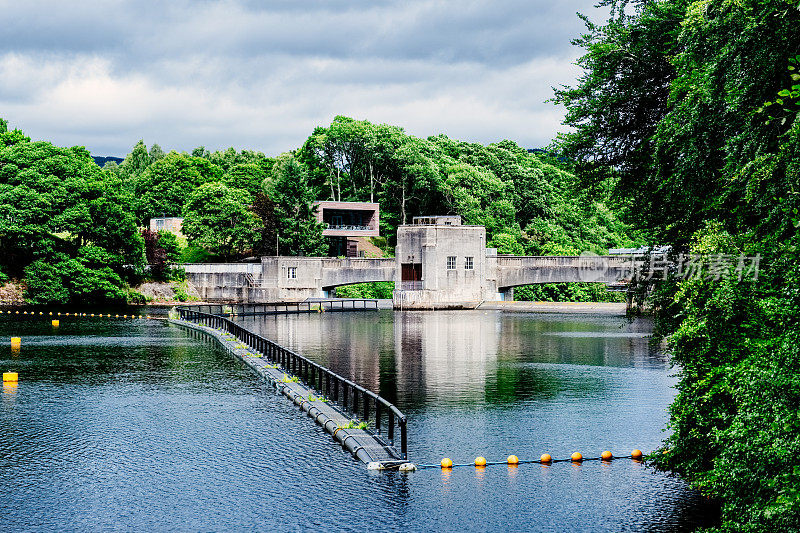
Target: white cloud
{"x": 222, "y": 74}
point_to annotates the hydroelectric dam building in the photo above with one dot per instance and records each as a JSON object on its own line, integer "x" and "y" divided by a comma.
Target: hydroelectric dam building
{"x": 439, "y": 262}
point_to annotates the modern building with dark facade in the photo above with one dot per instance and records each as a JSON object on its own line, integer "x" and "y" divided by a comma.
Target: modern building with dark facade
{"x": 348, "y": 225}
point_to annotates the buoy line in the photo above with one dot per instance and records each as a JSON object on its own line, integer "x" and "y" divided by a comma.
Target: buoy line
{"x": 76, "y": 315}
{"x": 545, "y": 459}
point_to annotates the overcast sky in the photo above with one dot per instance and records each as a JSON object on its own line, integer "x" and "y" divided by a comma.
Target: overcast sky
{"x": 262, "y": 75}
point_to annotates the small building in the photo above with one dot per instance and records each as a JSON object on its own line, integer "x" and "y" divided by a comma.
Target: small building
{"x": 348, "y": 225}
{"x": 170, "y": 224}
{"x": 439, "y": 220}
{"x": 440, "y": 260}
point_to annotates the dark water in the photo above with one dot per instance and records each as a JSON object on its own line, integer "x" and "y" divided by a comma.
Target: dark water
{"x": 119, "y": 425}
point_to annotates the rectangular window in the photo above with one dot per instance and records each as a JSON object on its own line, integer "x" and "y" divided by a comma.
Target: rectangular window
{"x": 451, "y": 262}
{"x": 468, "y": 263}
{"x": 291, "y": 272}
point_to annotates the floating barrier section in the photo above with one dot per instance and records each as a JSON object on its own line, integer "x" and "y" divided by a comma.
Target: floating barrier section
{"x": 545, "y": 459}
{"x": 383, "y": 419}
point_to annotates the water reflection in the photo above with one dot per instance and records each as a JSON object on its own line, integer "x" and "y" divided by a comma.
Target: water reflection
{"x": 148, "y": 427}
{"x": 417, "y": 358}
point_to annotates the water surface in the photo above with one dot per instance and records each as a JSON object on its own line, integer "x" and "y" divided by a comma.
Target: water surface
{"x": 140, "y": 425}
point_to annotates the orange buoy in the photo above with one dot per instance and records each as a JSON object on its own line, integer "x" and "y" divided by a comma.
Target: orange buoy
{"x": 576, "y": 457}
{"x": 513, "y": 460}
{"x": 606, "y": 456}
{"x": 447, "y": 463}
{"x": 545, "y": 458}
{"x": 480, "y": 461}
{"x": 636, "y": 454}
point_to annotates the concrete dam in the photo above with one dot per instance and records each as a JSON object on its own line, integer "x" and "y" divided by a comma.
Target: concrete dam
{"x": 436, "y": 264}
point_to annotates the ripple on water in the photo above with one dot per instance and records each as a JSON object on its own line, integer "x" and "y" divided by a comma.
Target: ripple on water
{"x": 155, "y": 429}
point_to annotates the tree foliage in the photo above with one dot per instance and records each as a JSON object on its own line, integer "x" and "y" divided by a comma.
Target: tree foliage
{"x": 706, "y": 157}
{"x": 511, "y": 191}
{"x": 219, "y": 219}
{"x": 299, "y": 233}
{"x": 63, "y": 218}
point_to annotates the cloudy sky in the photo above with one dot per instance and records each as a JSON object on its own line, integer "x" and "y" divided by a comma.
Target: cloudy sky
{"x": 261, "y": 75}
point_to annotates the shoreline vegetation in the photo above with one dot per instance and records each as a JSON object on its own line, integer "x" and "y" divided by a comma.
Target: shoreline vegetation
{"x": 690, "y": 111}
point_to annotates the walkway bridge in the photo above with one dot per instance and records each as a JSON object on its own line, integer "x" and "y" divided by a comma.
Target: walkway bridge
{"x": 438, "y": 263}
{"x": 513, "y": 271}
{"x": 299, "y": 278}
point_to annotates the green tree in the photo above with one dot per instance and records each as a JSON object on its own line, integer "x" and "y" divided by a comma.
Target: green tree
{"x": 137, "y": 161}
{"x": 156, "y": 153}
{"x": 247, "y": 176}
{"x": 163, "y": 188}
{"x": 299, "y": 233}
{"x": 61, "y": 210}
{"x": 219, "y": 219}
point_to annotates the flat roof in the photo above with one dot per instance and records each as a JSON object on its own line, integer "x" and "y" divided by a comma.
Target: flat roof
{"x": 329, "y": 204}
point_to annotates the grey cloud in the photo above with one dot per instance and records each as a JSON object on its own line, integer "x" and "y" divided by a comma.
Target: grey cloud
{"x": 263, "y": 74}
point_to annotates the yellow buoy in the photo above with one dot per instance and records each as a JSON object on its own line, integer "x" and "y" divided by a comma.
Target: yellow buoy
{"x": 545, "y": 458}
{"x": 513, "y": 460}
{"x": 10, "y": 377}
{"x": 576, "y": 457}
{"x": 55, "y": 323}
{"x": 636, "y": 454}
{"x": 50, "y": 313}
{"x": 606, "y": 456}
{"x": 16, "y": 341}
{"x": 40, "y": 313}
{"x": 447, "y": 463}
{"x": 480, "y": 461}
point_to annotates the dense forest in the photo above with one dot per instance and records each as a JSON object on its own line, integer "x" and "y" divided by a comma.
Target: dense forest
{"x": 75, "y": 232}
{"x": 689, "y": 111}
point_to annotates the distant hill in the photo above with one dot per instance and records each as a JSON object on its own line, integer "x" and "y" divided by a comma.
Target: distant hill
{"x": 101, "y": 161}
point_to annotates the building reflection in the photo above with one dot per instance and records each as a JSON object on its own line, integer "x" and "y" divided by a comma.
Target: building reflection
{"x": 415, "y": 358}
{"x": 444, "y": 356}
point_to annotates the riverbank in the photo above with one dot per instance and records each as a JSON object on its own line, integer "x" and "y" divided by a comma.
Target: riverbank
{"x": 595, "y": 308}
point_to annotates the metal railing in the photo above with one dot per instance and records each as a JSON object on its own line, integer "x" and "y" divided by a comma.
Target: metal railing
{"x": 350, "y": 227}
{"x": 286, "y": 308}
{"x": 411, "y": 285}
{"x": 350, "y": 398}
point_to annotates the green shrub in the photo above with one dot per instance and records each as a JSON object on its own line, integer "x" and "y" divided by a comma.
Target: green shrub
{"x": 70, "y": 281}
{"x": 137, "y": 298}
{"x": 567, "y": 292}
{"x": 377, "y": 289}
{"x": 181, "y": 290}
